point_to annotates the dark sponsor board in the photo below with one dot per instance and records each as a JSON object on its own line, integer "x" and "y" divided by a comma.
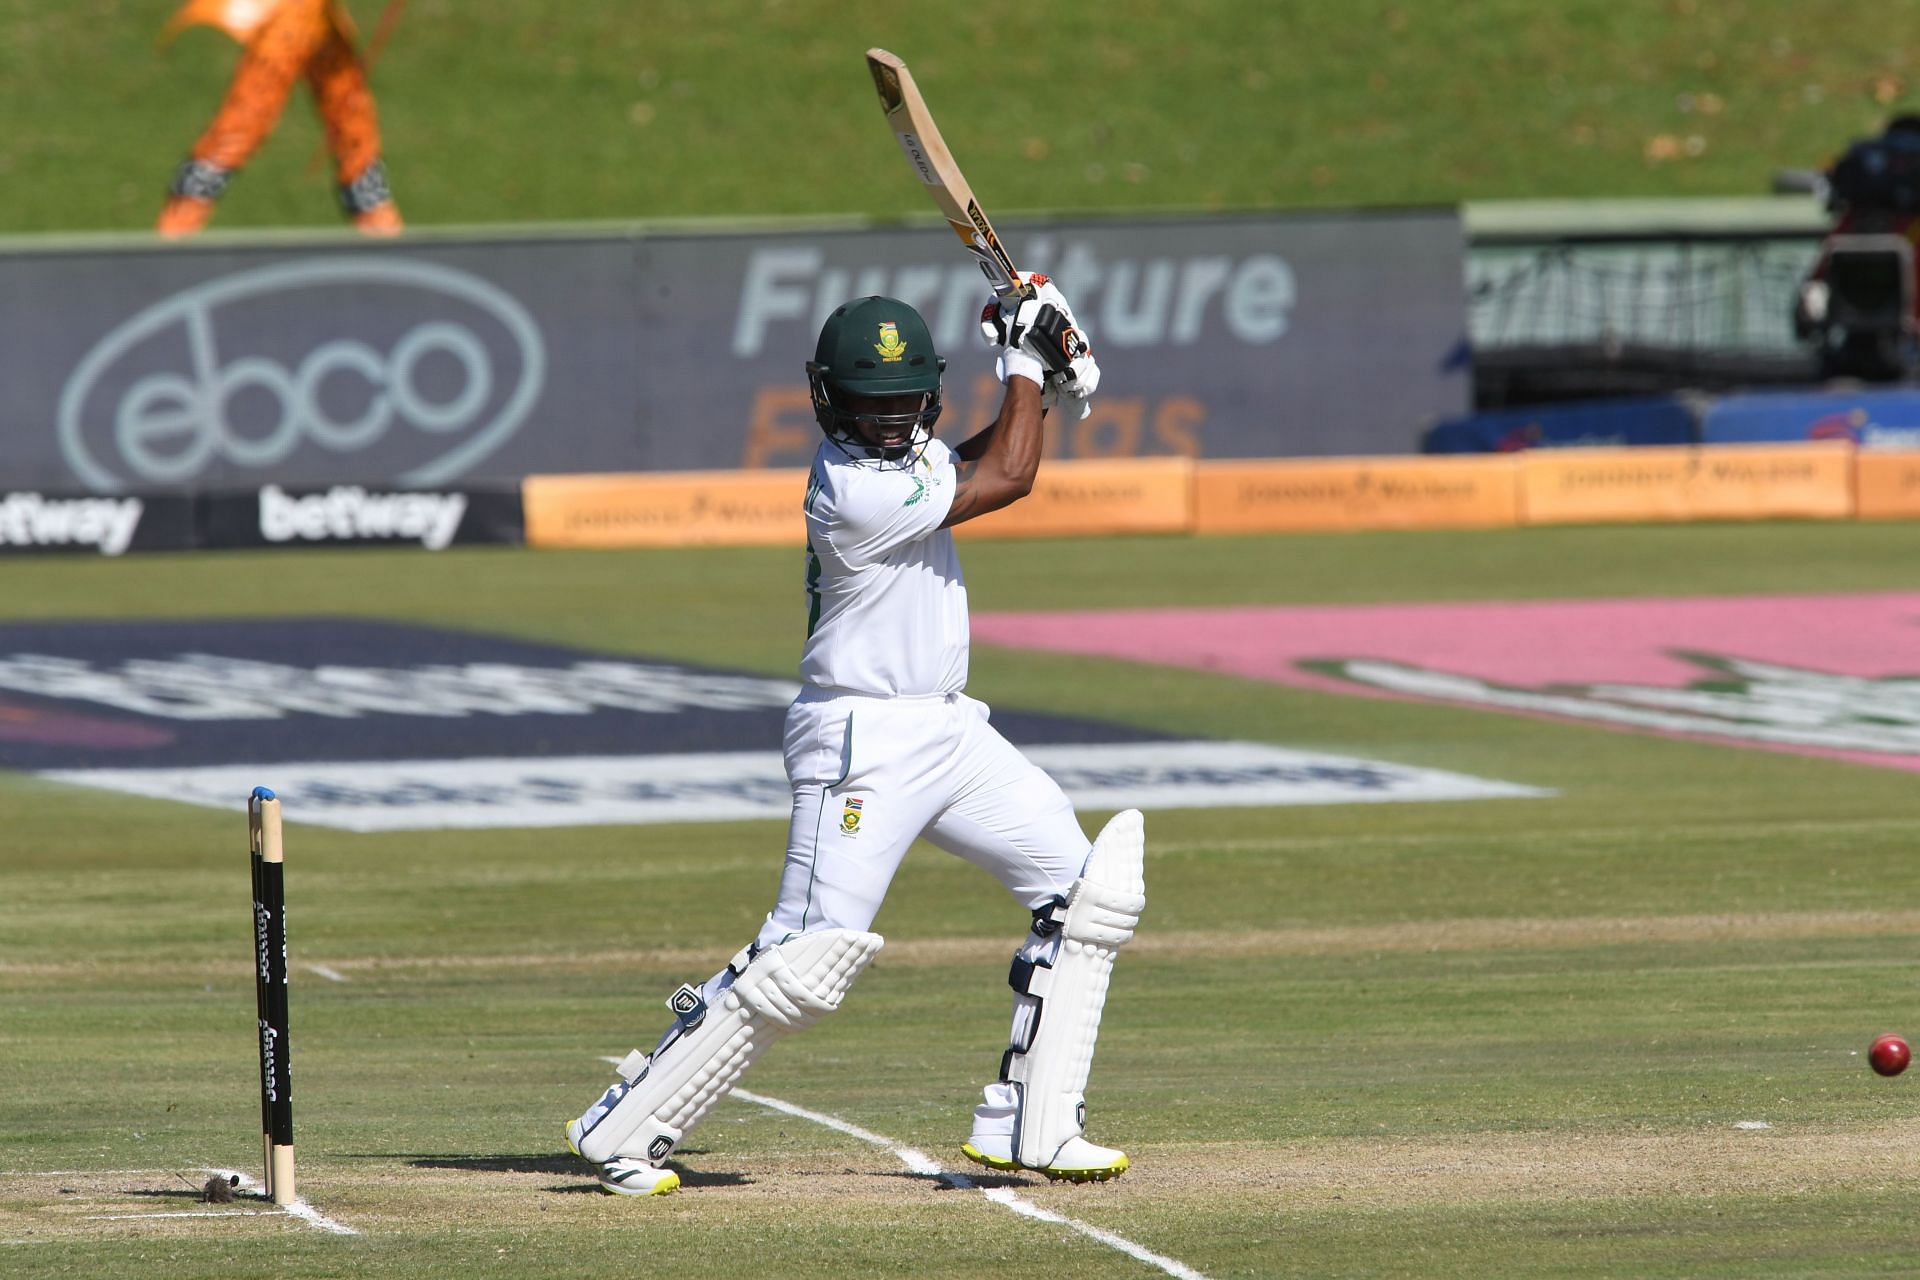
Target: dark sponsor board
{"x": 1879, "y": 419}
{"x": 1599, "y": 424}
{"x": 351, "y": 515}
{"x": 339, "y": 515}
{"x": 461, "y": 360}
{"x": 96, "y": 524}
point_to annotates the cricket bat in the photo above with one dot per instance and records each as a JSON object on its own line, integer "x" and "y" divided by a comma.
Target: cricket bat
{"x": 934, "y": 165}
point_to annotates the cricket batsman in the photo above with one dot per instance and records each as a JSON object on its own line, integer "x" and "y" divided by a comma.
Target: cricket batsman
{"x": 883, "y": 745}
{"x": 282, "y": 41}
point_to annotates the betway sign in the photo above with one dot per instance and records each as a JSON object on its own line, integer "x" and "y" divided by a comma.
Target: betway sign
{"x": 439, "y": 361}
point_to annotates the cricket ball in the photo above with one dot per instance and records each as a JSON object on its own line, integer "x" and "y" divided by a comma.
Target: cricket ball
{"x": 1889, "y": 1055}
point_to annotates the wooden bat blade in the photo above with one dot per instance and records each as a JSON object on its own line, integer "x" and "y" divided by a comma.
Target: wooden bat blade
{"x": 926, "y": 151}
{"x": 918, "y": 135}
{"x": 886, "y": 69}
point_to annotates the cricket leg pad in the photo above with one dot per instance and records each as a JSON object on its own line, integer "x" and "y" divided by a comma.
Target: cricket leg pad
{"x": 1052, "y": 1051}
{"x": 773, "y": 992}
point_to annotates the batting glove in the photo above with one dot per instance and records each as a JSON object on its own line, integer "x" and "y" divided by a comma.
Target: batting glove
{"x": 1040, "y": 340}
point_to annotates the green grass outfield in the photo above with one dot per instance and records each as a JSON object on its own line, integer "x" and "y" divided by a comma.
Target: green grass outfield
{"x": 533, "y": 110}
{"x": 1463, "y": 1039}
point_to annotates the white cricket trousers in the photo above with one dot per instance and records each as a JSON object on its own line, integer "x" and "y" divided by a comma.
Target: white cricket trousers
{"x": 870, "y": 775}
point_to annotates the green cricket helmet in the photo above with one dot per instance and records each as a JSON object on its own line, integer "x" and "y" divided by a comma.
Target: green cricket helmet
{"x": 875, "y": 347}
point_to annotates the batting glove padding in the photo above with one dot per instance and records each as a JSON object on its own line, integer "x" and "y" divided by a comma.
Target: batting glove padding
{"x": 1040, "y": 339}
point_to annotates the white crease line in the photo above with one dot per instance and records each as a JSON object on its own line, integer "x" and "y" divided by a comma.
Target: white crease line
{"x": 331, "y": 975}
{"x": 78, "y": 1173}
{"x": 185, "y": 1213}
{"x": 1006, "y": 1196}
{"x": 919, "y": 1162}
{"x": 314, "y": 1218}
{"x": 916, "y": 1161}
{"x": 299, "y": 1208}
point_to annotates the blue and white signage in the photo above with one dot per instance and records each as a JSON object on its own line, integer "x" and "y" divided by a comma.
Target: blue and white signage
{"x": 378, "y": 726}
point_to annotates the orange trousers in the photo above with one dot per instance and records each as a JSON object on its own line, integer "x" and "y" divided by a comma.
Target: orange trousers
{"x": 297, "y": 38}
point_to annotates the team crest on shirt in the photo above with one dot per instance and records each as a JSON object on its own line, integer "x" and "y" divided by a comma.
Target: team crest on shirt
{"x": 890, "y": 347}
{"x": 850, "y": 817}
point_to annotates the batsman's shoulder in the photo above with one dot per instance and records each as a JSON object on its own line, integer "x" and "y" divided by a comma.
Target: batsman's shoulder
{"x": 819, "y": 487}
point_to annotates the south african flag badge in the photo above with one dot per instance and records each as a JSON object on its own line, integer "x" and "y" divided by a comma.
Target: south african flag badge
{"x": 850, "y": 817}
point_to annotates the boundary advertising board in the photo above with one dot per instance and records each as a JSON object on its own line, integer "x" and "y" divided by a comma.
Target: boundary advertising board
{"x": 443, "y": 360}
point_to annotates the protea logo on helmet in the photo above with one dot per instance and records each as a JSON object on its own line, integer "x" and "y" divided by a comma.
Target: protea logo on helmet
{"x": 890, "y": 347}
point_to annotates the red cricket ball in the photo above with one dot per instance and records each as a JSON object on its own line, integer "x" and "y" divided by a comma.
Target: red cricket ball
{"x": 1889, "y": 1055}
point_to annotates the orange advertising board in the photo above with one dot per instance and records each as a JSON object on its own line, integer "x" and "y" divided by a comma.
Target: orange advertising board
{"x": 1355, "y": 493}
{"x": 1096, "y": 496}
{"x": 1687, "y": 482}
{"x": 666, "y": 509}
{"x": 1886, "y": 485}
{"x": 1089, "y": 497}
{"x": 742, "y": 508}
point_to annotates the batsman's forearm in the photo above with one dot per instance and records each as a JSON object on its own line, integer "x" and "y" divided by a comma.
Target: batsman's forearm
{"x": 1017, "y": 436}
{"x": 1002, "y": 471}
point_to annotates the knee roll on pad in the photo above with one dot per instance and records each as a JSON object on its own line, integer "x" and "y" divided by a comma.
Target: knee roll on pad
{"x": 785, "y": 988}
{"x": 1101, "y": 911}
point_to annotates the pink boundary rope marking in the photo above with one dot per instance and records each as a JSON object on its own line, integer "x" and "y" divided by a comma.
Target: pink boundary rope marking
{"x": 1526, "y": 644}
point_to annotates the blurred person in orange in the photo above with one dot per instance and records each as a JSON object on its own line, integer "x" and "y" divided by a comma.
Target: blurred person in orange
{"x": 281, "y": 41}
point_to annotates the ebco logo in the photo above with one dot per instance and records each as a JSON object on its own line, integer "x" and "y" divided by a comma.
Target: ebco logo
{"x": 154, "y": 401}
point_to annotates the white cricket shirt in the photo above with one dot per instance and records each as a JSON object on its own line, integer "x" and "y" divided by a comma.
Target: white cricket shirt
{"x": 886, "y": 604}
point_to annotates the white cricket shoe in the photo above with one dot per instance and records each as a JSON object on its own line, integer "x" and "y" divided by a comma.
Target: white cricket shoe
{"x": 1078, "y": 1161}
{"x": 991, "y": 1144}
{"x": 625, "y": 1176}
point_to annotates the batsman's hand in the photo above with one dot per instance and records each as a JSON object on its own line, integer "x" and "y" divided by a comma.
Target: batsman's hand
{"x": 1041, "y": 331}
